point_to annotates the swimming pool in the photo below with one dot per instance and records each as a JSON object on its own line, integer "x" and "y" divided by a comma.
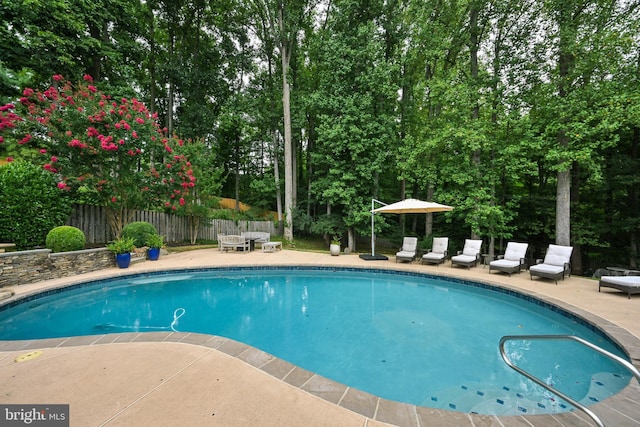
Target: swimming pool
{"x": 403, "y": 336}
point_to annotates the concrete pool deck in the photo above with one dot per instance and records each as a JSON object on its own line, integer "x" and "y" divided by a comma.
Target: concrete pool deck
{"x": 171, "y": 379}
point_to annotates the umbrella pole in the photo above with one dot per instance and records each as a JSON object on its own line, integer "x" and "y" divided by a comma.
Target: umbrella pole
{"x": 373, "y": 231}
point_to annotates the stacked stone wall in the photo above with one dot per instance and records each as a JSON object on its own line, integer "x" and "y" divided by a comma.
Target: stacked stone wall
{"x": 22, "y": 267}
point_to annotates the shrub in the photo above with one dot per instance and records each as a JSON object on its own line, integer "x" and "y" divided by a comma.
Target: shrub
{"x": 65, "y": 239}
{"x": 31, "y": 204}
{"x": 140, "y": 231}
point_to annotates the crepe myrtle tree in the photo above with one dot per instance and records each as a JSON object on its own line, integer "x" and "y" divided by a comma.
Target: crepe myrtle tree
{"x": 108, "y": 151}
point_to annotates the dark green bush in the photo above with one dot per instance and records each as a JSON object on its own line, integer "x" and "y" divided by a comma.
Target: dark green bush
{"x": 140, "y": 231}
{"x": 31, "y": 204}
{"x": 65, "y": 239}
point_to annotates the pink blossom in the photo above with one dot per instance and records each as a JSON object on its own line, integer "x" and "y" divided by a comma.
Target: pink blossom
{"x": 24, "y": 140}
{"x": 62, "y": 186}
{"x": 9, "y": 159}
{"x": 43, "y": 151}
{"x": 27, "y": 92}
{"x": 114, "y": 199}
{"x": 87, "y": 78}
{"x": 140, "y": 120}
{"x": 54, "y": 159}
{"x": 57, "y": 77}
{"x": 134, "y": 134}
{"x": 181, "y": 201}
{"x": 93, "y": 88}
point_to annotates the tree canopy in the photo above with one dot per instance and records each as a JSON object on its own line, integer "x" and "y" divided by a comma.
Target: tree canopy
{"x": 524, "y": 115}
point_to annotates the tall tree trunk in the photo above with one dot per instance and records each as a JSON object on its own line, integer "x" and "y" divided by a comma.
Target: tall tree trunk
{"x": 566, "y": 63}
{"x": 276, "y": 173}
{"x": 285, "y": 54}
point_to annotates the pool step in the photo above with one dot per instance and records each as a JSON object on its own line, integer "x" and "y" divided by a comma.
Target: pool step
{"x": 476, "y": 398}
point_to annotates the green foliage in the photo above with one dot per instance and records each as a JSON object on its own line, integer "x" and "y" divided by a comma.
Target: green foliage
{"x": 30, "y": 204}
{"x": 139, "y": 231}
{"x": 110, "y": 151}
{"x": 332, "y": 226}
{"x": 65, "y": 238}
{"x": 155, "y": 241}
{"x": 122, "y": 245}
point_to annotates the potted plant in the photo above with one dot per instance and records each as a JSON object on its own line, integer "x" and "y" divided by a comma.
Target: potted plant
{"x": 334, "y": 247}
{"x": 155, "y": 242}
{"x": 122, "y": 247}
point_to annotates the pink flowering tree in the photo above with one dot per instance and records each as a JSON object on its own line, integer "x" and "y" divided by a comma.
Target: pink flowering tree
{"x": 111, "y": 152}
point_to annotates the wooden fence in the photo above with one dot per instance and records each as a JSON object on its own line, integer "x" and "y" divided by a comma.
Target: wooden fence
{"x": 92, "y": 220}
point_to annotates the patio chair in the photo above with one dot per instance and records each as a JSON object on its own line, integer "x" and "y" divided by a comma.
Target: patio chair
{"x": 470, "y": 254}
{"x": 408, "y": 250}
{"x": 438, "y": 254}
{"x": 513, "y": 260}
{"x": 628, "y": 284}
{"x": 556, "y": 264}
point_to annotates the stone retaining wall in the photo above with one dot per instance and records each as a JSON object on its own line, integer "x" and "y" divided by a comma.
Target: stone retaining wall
{"x": 21, "y": 267}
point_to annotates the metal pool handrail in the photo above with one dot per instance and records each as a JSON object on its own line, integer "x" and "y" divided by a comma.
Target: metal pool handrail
{"x": 547, "y": 387}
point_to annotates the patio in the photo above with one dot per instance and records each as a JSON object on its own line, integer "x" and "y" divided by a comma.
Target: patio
{"x": 194, "y": 379}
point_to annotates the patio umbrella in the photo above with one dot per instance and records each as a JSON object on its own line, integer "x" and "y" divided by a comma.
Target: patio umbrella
{"x": 412, "y": 206}
{"x": 401, "y": 207}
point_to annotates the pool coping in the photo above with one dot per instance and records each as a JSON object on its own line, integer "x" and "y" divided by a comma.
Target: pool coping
{"x": 620, "y": 409}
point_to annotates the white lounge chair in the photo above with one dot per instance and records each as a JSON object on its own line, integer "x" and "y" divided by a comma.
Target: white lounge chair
{"x": 628, "y": 284}
{"x": 514, "y": 259}
{"x": 556, "y": 264}
{"x": 408, "y": 250}
{"x": 438, "y": 254}
{"x": 470, "y": 254}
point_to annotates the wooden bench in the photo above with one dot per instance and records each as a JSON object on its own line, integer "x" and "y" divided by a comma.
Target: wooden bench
{"x": 230, "y": 241}
{"x": 271, "y": 246}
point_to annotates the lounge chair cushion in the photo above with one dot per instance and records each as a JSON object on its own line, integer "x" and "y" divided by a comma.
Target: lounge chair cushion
{"x": 433, "y": 256}
{"x": 558, "y": 255}
{"x": 471, "y": 247}
{"x": 463, "y": 259}
{"x": 515, "y": 251}
{"x": 504, "y": 264}
{"x": 440, "y": 245}
{"x": 547, "y": 268}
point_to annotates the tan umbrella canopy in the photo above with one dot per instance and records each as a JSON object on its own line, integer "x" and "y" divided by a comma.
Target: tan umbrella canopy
{"x": 413, "y": 206}
{"x": 401, "y": 207}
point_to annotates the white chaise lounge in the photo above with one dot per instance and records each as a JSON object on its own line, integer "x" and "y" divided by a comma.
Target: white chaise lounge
{"x": 438, "y": 254}
{"x": 408, "y": 250}
{"x": 470, "y": 254}
{"x": 628, "y": 284}
{"x": 556, "y": 264}
{"x": 514, "y": 259}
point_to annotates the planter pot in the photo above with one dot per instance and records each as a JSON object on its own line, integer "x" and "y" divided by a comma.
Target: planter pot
{"x": 123, "y": 260}
{"x": 153, "y": 254}
{"x": 334, "y": 249}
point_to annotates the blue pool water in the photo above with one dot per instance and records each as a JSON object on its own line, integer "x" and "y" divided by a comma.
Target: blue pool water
{"x": 401, "y": 336}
